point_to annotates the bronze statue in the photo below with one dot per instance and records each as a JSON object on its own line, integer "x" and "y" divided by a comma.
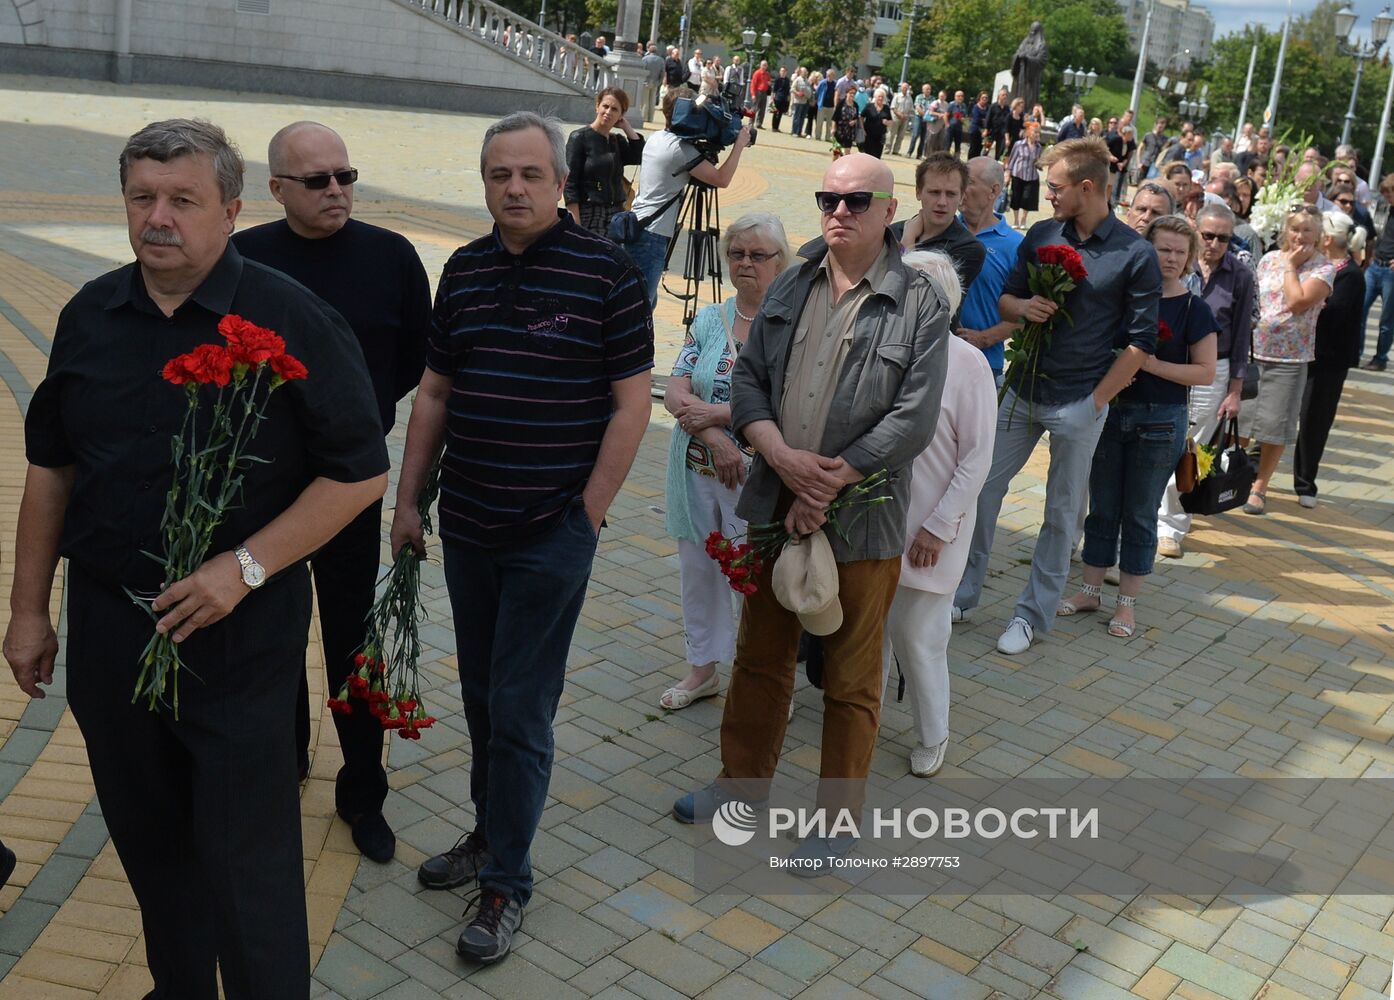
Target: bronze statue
{"x": 1028, "y": 64}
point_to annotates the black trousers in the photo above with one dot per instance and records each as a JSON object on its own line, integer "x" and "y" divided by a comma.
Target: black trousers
{"x": 975, "y": 145}
{"x": 346, "y": 572}
{"x": 956, "y": 139}
{"x": 204, "y": 811}
{"x": 1320, "y": 398}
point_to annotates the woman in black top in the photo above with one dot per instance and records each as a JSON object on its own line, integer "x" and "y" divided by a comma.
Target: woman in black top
{"x": 845, "y": 121}
{"x": 1340, "y": 334}
{"x": 595, "y": 161}
{"x": 874, "y": 120}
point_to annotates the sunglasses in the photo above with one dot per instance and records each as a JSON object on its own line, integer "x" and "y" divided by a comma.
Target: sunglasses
{"x": 1213, "y": 237}
{"x": 754, "y": 256}
{"x": 318, "y": 182}
{"x": 857, "y": 201}
{"x": 1347, "y": 202}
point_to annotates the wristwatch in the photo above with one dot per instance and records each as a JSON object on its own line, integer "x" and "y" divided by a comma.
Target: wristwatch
{"x": 253, "y": 572}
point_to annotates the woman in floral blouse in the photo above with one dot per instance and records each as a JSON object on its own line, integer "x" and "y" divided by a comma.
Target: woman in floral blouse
{"x": 1294, "y": 282}
{"x": 706, "y": 463}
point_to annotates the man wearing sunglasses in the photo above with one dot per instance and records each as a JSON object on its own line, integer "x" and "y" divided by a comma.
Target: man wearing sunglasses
{"x": 1115, "y": 305}
{"x": 374, "y": 279}
{"x": 840, "y": 379}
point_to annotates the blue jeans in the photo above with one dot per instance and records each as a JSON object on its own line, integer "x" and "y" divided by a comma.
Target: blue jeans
{"x": 649, "y": 253}
{"x": 1379, "y": 283}
{"x": 800, "y": 109}
{"x": 515, "y": 609}
{"x": 1136, "y": 455}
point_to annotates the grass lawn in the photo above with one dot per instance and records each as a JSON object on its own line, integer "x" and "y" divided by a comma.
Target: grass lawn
{"x": 1110, "y": 97}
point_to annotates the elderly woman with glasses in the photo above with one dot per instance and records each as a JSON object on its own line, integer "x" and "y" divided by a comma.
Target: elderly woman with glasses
{"x": 1294, "y": 282}
{"x": 1144, "y": 435}
{"x": 707, "y": 465}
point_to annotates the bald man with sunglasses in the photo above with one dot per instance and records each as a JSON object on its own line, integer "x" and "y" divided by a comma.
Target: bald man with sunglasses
{"x": 374, "y": 279}
{"x": 840, "y": 379}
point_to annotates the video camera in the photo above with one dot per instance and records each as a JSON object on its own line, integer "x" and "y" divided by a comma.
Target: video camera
{"x": 712, "y": 122}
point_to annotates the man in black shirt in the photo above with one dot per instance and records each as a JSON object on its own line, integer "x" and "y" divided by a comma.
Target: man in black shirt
{"x": 375, "y": 281}
{"x": 203, "y": 808}
{"x": 939, "y": 182}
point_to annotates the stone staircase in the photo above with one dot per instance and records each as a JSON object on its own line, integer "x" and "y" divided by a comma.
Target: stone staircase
{"x": 523, "y": 41}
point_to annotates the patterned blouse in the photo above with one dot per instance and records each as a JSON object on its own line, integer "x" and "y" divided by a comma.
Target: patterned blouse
{"x": 1278, "y": 334}
{"x": 699, "y": 456}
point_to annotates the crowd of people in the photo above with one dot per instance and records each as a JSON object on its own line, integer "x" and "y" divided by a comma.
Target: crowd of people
{"x": 873, "y": 356}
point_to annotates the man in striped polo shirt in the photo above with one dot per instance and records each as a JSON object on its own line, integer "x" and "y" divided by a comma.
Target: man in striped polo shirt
{"x": 537, "y": 379}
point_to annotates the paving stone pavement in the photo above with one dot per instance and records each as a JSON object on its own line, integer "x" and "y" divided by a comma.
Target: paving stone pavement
{"x": 1265, "y": 651}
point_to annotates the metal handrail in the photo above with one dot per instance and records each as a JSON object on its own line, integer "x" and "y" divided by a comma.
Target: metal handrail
{"x": 525, "y": 40}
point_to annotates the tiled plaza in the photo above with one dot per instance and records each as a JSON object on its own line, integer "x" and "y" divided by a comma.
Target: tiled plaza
{"x": 1267, "y": 650}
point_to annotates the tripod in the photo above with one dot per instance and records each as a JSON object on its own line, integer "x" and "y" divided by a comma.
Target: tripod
{"x": 700, "y": 214}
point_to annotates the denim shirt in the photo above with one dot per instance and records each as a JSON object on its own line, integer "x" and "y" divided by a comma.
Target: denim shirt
{"x": 885, "y": 405}
{"x": 1115, "y": 306}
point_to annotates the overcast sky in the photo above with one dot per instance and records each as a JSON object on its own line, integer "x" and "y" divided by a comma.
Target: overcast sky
{"x": 1231, "y": 15}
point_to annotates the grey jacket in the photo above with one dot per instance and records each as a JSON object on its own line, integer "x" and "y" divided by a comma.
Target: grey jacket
{"x": 886, "y": 404}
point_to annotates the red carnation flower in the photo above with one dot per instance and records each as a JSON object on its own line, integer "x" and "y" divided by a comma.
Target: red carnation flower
{"x": 1066, "y": 257}
{"x": 287, "y": 366}
{"x": 1163, "y": 332}
{"x": 250, "y": 344}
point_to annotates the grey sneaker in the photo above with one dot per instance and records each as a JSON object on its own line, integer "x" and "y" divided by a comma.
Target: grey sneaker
{"x": 489, "y": 936}
{"x": 456, "y": 866}
{"x": 700, "y": 806}
{"x": 815, "y": 855}
{"x": 925, "y": 762}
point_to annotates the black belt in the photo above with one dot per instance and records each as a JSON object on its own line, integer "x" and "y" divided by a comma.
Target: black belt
{"x": 1383, "y": 262}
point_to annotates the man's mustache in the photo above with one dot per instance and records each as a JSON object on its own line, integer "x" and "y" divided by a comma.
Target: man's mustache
{"x": 162, "y": 237}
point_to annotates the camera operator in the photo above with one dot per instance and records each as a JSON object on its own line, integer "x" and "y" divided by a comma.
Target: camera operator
{"x": 669, "y": 162}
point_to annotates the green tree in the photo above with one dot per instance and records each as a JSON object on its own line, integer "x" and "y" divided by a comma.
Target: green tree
{"x": 828, "y": 32}
{"x": 709, "y": 18}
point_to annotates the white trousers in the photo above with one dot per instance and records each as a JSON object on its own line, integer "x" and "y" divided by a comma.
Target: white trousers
{"x": 710, "y": 608}
{"x": 917, "y": 634}
{"x": 1204, "y": 404}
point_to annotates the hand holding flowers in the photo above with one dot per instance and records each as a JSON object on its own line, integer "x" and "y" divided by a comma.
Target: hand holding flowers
{"x": 1057, "y": 272}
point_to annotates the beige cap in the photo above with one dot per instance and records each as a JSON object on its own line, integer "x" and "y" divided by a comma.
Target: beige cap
{"x": 804, "y": 580}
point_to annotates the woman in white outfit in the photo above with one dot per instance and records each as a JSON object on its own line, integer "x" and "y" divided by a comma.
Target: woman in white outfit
{"x": 948, "y": 475}
{"x": 706, "y": 463}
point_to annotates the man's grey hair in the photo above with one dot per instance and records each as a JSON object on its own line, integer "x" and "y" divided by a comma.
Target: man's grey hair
{"x": 519, "y": 120}
{"x": 940, "y": 269}
{"x": 763, "y": 224}
{"x": 1214, "y": 210}
{"x": 987, "y": 169}
{"x": 1346, "y": 151}
{"x": 1152, "y": 187}
{"x": 176, "y": 137}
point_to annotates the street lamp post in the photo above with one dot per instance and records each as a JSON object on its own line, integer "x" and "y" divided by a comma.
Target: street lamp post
{"x": 913, "y": 13}
{"x": 1248, "y": 83}
{"x": 1136, "y": 95}
{"x": 1270, "y": 113}
{"x": 1079, "y": 81}
{"x": 748, "y": 37}
{"x": 1378, "y": 157}
{"x": 1360, "y": 50}
{"x": 1196, "y": 110}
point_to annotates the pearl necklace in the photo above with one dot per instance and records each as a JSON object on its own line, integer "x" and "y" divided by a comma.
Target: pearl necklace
{"x": 741, "y": 315}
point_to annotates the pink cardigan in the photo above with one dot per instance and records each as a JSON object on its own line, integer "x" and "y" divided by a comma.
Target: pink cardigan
{"x": 949, "y": 474}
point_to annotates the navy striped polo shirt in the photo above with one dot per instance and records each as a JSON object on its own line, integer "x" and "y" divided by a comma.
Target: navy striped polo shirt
{"x": 531, "y": 343}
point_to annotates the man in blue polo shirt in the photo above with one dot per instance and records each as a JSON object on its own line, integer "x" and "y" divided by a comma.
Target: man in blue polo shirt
{"x": 982, "y": 323}
{"x": 537, "y": 380}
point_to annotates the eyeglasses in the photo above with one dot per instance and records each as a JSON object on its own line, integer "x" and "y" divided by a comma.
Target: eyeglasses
{"x": 1054, "y": 188}
{"x": 857, "y": 201}
{"x": 754, "y": 256}
{"x": 1215, "y": 237}
{"x": 318, "y": 182}
{"x": 1348, "y": 202}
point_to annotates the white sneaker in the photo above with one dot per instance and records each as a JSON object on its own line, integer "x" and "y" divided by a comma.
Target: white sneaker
{"x": 1306, "y": 501}
{"x": 1017, "y": 638}
{"x": 958, "y": 614}
{"x": 925, "y": 762}
{"x": 1169, "y": 547}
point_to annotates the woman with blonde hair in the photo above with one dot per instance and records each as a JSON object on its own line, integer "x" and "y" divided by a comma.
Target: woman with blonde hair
{"x": 707, "y": 463}
{"x": 1293, "y": 283}
{"x": 1144, "y": 435}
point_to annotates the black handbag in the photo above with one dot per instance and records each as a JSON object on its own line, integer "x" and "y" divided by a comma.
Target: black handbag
{"x": 1231, "y": 477}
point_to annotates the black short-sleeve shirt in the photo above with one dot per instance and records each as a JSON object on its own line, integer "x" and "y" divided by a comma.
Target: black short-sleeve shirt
{"x": 531, "y": 343}
{"x": 104, "y": 409}
{"x": 1188, "y": 320}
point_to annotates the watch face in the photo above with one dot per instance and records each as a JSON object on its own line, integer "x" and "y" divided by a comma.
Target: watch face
{"x": 253, "y": 575}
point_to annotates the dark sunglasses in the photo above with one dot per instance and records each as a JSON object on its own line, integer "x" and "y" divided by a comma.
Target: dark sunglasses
{"x": 318, "y": 182}
{"x": 1213, "y": 237}
{"x": 857, "y": 201}
{"x": 1348, "y": 202}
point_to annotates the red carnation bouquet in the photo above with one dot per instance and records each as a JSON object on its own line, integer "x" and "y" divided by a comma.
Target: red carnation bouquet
{"x": 210, "y": 458}
{"x": 387, "y": 668}
{"x": 1057, "y": 272}
{"x": 741, "y": 562}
